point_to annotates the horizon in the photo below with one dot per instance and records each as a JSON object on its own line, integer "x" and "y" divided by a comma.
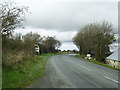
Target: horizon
{"x": 64, "y": 19}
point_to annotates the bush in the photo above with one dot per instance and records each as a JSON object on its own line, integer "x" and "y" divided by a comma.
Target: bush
{"x": 11, "y": 58}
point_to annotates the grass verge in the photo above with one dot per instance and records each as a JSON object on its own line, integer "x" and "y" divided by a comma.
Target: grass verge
{"x": 28, "y": 71}
{"x": 80, "y": 56}
{"x": 96, "y": 62}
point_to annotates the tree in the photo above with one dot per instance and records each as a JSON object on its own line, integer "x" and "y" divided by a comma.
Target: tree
{"x": 51, "y": 44}
{"x": 11, "y": 17}
{"x": 95, "y": 37}
{"x": 30, "y": 39}
{"x": 83, "y": 39}
{"x": 58, "y": 44}
{"x": 103, "y": 38}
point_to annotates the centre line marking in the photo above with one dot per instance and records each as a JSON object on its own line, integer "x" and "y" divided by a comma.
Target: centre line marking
{"x": 85, "y": 68}
{"x": 111, "y": 79}
{"x": 82, "y": 66}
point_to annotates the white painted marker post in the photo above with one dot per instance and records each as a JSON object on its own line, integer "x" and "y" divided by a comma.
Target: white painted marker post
{"x": 36, "y": 49}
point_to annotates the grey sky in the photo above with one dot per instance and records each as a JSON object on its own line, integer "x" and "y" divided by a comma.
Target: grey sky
{"x": 63, "y": 19}
{"x": 66, "y": 16}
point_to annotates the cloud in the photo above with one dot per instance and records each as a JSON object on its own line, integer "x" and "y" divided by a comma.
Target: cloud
{"x": 70, "y": 16}
{"x": 68, "y": 46}
{"x": 63, "y": 18}
{"x": 62, "y": 36}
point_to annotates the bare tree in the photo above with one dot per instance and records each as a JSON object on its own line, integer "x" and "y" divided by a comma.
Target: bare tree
{"x": 11, "y": 16}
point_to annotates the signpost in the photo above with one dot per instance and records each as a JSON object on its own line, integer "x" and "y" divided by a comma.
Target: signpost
{"x": 36, "y": 49}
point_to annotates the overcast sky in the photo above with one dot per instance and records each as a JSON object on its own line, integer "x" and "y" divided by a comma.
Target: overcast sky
{"x": 63, "y": 18}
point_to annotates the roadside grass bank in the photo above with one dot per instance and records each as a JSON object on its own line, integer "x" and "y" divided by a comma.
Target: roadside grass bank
{"x": 62, "y": 53}
{"x": 26, "y": 72}
{"x": 96, "y": 62}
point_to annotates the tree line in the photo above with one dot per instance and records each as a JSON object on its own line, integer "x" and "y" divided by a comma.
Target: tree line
{"x": 95, "y": 39}
{"x": 20, "y": 46}
{"x": 16, "y": 47}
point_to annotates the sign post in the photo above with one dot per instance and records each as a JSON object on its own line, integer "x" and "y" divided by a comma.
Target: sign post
{"x": 36, "y": 49}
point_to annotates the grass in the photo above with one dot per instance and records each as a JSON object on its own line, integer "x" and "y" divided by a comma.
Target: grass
{"x": 62, "y": 53}
{"x": 0, "y": 78}
{"x": 29, "y": 71}
{"x": 80, "y": 56}
{"x": 96, "y": 62}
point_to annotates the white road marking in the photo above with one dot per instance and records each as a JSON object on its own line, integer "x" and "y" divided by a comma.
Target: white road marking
{"x": 81, "y": 66}
{"x": 111, "y": 79}
{"x": 84, "y": 67}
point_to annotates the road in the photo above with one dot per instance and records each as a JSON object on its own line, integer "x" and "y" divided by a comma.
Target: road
{"x": 67, "y": 71}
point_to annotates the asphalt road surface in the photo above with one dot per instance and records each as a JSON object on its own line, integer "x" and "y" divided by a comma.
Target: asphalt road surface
{"x": 67, "y": 71}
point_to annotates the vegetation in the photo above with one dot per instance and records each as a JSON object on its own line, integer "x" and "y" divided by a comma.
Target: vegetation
{"x": 25, "y": 72}
{"x": 95, "y": 39}
{"x": 97, "y": 62}
{"x": 17, "y": 47}
{"x": 18, "y": 54}
{"x": 11, "y": 17}
{"x": 51, "y": 44}
{"x": 80, "y": 56}
{"x": 19, "y": 63}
